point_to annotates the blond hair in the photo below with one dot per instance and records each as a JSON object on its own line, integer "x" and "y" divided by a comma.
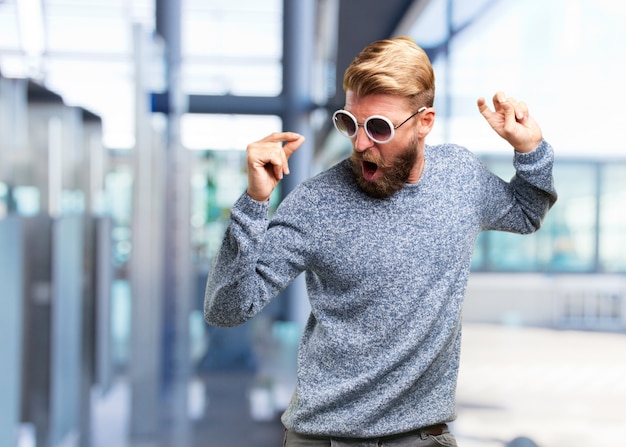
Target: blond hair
{"x": 395, "y": 66}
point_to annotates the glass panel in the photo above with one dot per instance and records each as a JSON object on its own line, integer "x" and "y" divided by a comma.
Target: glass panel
{"x": 67, "y": 324}
{"x": 82, "y": 81}
{"x": 218, "y": 180}
{"x": 575, "y": 218}
{"x": 225, "y": 132}
{"x": 4, "y": 200}
{"x": 566, "y": 240}
{"x": 232, "y": 48}
{"x": 27, "y": 200}
{"x": 511, "y": 252}
{"x": 613, "y": 219}
{"x": 12, "y": 279}
{"x": 233, "y": 77}
{"x": 118, "y": 190}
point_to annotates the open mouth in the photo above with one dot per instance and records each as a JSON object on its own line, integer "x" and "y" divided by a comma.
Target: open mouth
{"x": 369, "y": 170}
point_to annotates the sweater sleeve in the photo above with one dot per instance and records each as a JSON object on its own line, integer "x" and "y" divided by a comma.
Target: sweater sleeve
{"x": 258, "y": 258}
{"x": 520, "y": 205}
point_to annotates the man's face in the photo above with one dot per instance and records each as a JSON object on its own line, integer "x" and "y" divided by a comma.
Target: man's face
{"x": 380, "y": 178}
{"x": 383, "y": 169}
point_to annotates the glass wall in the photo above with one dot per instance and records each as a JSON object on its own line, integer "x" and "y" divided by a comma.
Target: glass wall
{"x": 239, "y": 53}
{"x": 563, "y": 58}
{"x": 612, "y": 223}
{"x": 585, "y": 232}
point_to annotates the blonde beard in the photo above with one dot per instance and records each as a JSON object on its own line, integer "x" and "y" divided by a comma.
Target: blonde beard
{"x": 393, "y": 175}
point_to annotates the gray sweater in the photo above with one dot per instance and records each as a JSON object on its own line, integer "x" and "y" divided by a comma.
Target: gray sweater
{"x": 385, "y": 278}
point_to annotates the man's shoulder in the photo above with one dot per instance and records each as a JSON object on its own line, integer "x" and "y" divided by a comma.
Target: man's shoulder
{"x": 452, "y": 160}
{"x": 448, "y": 150}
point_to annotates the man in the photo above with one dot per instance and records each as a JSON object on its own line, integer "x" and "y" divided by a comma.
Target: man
{"x": 385, "y": 239}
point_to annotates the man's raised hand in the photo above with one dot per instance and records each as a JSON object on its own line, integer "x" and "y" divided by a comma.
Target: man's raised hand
{"x": 512, "y": 122}
{"x": 268, "y": 162}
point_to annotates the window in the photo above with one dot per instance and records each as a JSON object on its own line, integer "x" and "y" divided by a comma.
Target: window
{"x": 612, "y": 234}
{"x": 585, "y": 231}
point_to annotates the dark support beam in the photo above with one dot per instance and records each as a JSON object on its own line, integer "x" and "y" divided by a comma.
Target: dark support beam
{"x": 298, "y": 58}
{"x": 160, "y": 363}
{"x": 227, "y": 104}
{"x": 176, "y": 263}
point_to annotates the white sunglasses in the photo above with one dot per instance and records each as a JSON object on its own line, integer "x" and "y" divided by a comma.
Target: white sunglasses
{"x": 378, "y": 128}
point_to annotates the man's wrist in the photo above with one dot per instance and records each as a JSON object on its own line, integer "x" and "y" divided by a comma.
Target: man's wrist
{"x": 529, "y": 147}
{"x": 256, "y": 197}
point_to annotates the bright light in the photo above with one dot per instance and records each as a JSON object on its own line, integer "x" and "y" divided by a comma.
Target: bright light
{"x": 31, "y": 23}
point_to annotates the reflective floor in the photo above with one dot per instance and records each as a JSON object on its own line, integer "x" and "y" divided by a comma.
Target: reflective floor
{"x": 557, "y": 388}
{"x": 225, "y": 421}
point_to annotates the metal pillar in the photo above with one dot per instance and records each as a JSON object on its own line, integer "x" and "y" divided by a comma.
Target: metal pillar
{"x": 298, "y": 55}
{"x": 145, "y": 359}
{"x": 67, "y": 401}
{"x": 177, "y": 268}
{"x": 12, "y": 280}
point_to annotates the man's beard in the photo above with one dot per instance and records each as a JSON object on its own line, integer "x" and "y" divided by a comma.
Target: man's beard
{"x": 393, "y": 175}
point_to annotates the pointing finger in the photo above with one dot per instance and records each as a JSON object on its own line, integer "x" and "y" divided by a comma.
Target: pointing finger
{"x": 281, "y": 137}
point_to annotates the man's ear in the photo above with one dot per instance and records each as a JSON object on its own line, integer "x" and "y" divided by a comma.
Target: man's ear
{"x": 426, "y": 121}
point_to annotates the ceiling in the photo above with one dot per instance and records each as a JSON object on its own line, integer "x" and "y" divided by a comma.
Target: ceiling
{"x": 83, "y": 49}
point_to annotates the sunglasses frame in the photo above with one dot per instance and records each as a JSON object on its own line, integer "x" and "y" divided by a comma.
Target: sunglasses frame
{"x": 392, "y": 127}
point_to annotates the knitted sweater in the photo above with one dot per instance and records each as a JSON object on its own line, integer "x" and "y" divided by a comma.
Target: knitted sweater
{"x": 385, "y": 278}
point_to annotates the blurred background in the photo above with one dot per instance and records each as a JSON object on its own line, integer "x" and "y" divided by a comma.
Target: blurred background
{"x": 123, "y": 127}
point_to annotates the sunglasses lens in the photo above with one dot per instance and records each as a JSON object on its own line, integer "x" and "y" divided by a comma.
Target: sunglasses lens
{"x": 345, "y": 124}
{"x": 379, "y": 129}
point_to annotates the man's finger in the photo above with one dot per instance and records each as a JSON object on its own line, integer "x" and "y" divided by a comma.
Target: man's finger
{"x": 483, "y": 108}
{"x": 280, "y": 137}
{"x": 521, "y": 111}
{"x": 293, "y": 143}
{"x": 507, "y": 107}
{"x": 279, "y": 170}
